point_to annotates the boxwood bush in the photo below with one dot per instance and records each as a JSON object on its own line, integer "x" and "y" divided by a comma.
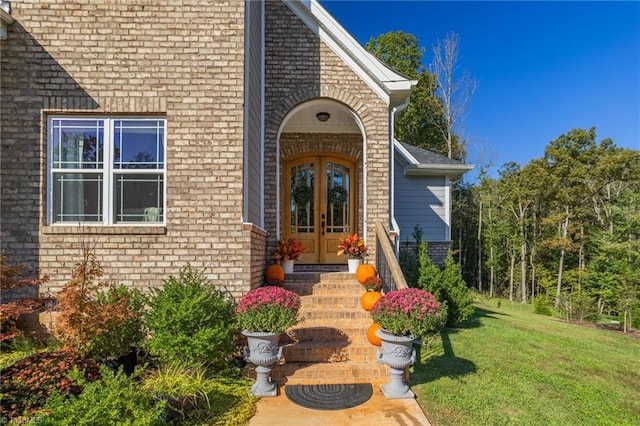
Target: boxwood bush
{"x": 116, "y": 399}
{"x": 190, "y": 320}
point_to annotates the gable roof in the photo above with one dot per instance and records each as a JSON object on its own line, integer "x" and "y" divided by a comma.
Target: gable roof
{"x": 393, "y": 87}
{"x": 422, "y": 162}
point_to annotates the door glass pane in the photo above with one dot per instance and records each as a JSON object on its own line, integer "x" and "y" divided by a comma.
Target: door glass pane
{"x": 302, "y": 198}
{"x": 337, "y": 198}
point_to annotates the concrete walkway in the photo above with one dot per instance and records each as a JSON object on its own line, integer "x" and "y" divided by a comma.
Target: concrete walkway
{"x": 377, "y": 411}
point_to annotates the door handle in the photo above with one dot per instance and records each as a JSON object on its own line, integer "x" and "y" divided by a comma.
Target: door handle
{"x": 322, "y": 223}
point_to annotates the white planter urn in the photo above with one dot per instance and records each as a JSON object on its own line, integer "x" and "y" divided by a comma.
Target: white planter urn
{"x": 262, "y": 350}
{"x": 398, "y": 353}
{"x": 287, "y": 265}
{"x": 353, "y": 265}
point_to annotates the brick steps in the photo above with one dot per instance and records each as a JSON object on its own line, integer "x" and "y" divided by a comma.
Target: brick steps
{"x": 330, "y": 345}
{"x": 329, "y": 329}
{"x": 326, "y": 287}
{"x": 311, "y": 373}
{"x": 316, "y": 344}
{"x": 334, "y": 313}
{"x": 321, "y": 352}
{"x": 330, "y": 301}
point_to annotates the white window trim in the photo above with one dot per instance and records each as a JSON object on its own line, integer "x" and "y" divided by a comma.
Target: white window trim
{"x": 108, "y": 172}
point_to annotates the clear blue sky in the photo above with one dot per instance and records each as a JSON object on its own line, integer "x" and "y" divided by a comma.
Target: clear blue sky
{"x": 543, "y": 68}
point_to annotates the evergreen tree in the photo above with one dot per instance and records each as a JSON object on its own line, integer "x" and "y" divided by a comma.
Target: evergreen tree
{"x": 459, "y": 298}
{"x": 409, "y": 258}
{"x": 447, "y": 285}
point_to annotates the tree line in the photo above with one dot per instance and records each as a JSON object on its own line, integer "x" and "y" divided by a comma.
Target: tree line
{"x": 564, "y": 227}
{"x": 562, "y": 230}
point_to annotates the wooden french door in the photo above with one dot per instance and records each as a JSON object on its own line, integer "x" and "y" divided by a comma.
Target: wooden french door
{"x": 319, "y": 205}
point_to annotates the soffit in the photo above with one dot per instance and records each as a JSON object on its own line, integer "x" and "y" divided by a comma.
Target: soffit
{"x": 305, "y": 119}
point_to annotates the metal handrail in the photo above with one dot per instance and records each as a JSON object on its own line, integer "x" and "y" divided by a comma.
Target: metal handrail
{"x": 387, "y": 263}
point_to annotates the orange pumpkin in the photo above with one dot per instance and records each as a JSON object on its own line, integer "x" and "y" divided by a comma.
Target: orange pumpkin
{"x": 365, "y": 271}
{"x": 371, "y": 334}
{"x": 369, "y": 299}
{"x": 274, "y": 272}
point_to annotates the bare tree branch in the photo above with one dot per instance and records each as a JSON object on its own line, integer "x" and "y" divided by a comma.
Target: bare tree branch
{"x": 454, "y": 91}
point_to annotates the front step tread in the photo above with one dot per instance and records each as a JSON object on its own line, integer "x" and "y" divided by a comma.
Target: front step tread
{"x": 330, "y": 344}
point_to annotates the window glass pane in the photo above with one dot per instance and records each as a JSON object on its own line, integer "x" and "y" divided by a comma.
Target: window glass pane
{"x": 138, "y": 144}
{"x": 77, "y": 197}
{"x": 138, "y": 198}
{"x": 82, "y": 185}
{"x": 77, "y": 144}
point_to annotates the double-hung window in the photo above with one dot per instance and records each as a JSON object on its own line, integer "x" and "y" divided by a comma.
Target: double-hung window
{"x": 106, "y": 171}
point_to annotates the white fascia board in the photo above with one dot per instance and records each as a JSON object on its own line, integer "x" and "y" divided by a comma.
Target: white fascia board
{"x": 405, "y": 154}
{"x": 390, "y": 86}
{"x": 450, "y": 170}
{"x": 5, "y": 18}
{"x": 414, "y": 168}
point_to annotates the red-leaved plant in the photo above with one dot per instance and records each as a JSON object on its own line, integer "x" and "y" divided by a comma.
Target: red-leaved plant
{"x": 353, "y": 246}
{"x": 83, "y": 320}
{"x": 271, "y": 309}
{"x": 27, "y": 384}
{"x": 290, "y": 249}
{"x": 408, "y": 312}
{"x": 10, "y": 312}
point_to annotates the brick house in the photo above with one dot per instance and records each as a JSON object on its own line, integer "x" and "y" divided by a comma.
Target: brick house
{"x": 167, "y": 133}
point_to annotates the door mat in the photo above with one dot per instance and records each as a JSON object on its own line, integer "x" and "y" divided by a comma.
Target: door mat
{"x": 329, "y": 397}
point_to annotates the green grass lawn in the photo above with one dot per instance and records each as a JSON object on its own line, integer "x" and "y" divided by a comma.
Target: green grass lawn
{"x": 509, "y": 366}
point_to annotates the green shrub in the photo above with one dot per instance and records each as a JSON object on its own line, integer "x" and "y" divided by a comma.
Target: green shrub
{"x": 578, "y": 307}
{"x": 635, "y": 318}
{"x": 446, "y": 283}
{"x": 114, "y": 400}
{"x": 27, "y": 384}
{"x": 541, "y": 306}
{"x": 448, "y": 286}
{"x": 430, "y": 275}
{"x": 582, "y": 307}
{"x": 19, "y": 348}
{"x": 409, "y": 257}
{"x": 458, "y": 296}
{"x": 190, "y": 320}
{"x": 117, "y": 339}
